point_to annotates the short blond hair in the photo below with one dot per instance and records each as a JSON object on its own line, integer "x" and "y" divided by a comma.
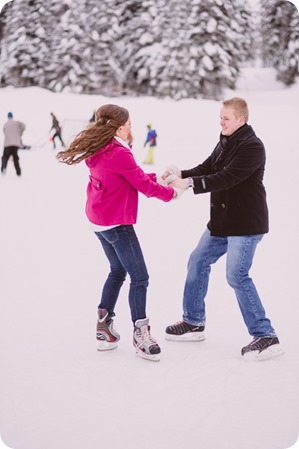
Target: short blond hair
{"x": 239, "y": 106}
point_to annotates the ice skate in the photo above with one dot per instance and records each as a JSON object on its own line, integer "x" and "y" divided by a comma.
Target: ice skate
{"x": 107, "y": 337}
{"x": 146, "y": 346}
{"x": 182, "y": 331}
{"x": 262, "y": 348}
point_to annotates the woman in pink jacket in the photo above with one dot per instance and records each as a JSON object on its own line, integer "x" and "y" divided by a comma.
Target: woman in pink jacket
{"x": 112, "y": 205}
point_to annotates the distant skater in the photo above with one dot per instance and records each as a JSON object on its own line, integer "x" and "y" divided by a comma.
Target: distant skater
{"x": 151, "y": 139}
{"x": 13, "y": 131}
{"x": 56, "y": 126}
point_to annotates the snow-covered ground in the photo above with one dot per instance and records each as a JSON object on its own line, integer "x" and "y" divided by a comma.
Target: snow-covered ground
{"x": 57, "y": 391}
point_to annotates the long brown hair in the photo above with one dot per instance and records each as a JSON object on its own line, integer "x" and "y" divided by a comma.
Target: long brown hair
{"x": 109, "y": 118}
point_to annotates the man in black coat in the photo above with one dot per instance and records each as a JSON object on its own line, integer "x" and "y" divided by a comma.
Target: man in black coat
{"x": 233, "y": 174}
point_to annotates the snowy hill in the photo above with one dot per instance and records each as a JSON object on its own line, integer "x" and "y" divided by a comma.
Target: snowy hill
{"x": 57, "y": 391}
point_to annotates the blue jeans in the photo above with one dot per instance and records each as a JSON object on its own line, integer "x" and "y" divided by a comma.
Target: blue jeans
{"x": 240, "y": 251}
{"x": 124, "y": 254}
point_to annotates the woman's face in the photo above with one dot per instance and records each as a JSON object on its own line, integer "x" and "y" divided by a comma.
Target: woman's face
{"x": 124, "y": 130}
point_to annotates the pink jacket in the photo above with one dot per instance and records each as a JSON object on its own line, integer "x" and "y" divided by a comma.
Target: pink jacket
{"x": 115, "y": 179}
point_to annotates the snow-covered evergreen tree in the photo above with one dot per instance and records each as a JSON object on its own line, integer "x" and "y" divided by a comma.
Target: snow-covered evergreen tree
{"x": 191, "y": 49}
{"x": 165, "y": 48}
{"x": 219, "y": 42}
{"x": 92, "y": 43}
{"x": 62, "y": 70}
{"x": 21, "y": 42}
{"x": 153, "y": 54}
{"x": 280, "y": 38}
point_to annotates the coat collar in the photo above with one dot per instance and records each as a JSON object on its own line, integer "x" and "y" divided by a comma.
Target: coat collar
{"x": 241, "y": 133}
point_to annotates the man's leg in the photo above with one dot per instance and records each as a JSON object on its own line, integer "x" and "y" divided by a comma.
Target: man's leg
{"x": 207, "y": 252}
{"x": 16, "y": 160}
{"x": 5, "y": 157}
{"x": 240, "y": 255}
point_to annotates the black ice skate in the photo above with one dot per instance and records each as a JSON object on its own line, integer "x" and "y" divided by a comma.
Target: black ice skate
{"x": 262, "y": 348}
{"x": 183, "y": 331}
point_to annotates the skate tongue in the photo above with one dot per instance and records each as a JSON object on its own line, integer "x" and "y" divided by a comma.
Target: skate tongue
{"x": 102, "y": 315}
{"x": 141, "y": 323}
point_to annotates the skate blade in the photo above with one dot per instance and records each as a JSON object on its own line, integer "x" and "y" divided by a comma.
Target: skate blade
{"x": 106, "y": 345}
{"x": 151, "y": 357}
{"x": 196, "y": 336}
{"x": 267, "y": 354}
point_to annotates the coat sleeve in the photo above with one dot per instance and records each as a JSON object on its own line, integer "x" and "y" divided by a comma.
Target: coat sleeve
{"x": 144, "y": 183}
{"x": 246, "y": 160}
{"x": 202, "y": 169}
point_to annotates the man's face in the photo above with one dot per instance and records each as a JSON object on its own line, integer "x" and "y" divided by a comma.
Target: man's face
{"x": 229, "y": 122}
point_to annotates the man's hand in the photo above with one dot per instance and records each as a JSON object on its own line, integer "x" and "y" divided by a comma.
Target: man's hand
{"x": 171, "y": 170}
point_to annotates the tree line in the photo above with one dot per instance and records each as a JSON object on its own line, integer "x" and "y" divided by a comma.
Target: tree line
{"x": 162, "y": 48}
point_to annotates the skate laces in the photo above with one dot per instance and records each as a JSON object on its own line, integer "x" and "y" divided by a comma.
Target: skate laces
{"x": 182, "y": 326}
{"x": 261, "y": 342}
{"x": 145, "y": 337}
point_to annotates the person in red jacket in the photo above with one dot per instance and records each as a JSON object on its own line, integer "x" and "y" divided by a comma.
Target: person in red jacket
{"x": 111, "y": 207}
{"x": 233, "y": 175}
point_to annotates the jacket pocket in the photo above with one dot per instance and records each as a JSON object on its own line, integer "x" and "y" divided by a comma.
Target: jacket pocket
{"x": 95, "y": 182}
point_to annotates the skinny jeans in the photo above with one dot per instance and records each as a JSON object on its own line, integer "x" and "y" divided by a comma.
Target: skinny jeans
{"x": 124, "y": 254}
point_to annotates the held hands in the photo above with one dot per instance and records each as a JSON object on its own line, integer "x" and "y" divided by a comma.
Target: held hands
{"x": 177, "y": 192}
{"x": 161, "y": 181}
{"x": 172, "y": 178}
{"x": 179, "y": 185}
{"x": 171, "y": 170}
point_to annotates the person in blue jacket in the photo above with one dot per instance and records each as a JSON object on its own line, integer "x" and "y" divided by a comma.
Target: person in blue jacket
{"x": 151, "y": 139}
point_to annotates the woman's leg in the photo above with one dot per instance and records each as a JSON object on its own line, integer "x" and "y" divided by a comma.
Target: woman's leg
{"x": 115, "y": 278}
{"x": 127, "y": 257}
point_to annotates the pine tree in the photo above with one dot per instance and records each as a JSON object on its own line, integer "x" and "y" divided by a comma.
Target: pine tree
{"x": 191, "y": 49}
{"x": 19, "y": 44}
{"x": 219, "y": 44}
{"x": 65, "y": 65}
{"x": 280, "y": 38}
{"x": 164, "y": 48}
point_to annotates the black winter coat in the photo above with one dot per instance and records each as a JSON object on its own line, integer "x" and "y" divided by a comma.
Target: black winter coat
{"x": 234, "y": 176}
